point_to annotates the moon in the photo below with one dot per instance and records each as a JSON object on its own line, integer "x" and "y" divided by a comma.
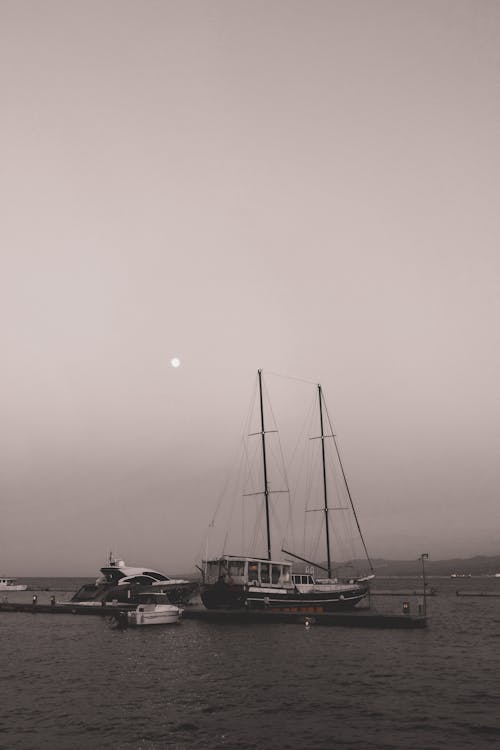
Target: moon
{"x": 175, "y": 362}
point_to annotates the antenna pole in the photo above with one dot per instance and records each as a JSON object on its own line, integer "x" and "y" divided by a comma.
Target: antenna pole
{"x": 325, "y": 493}
{"x": 264, "y": 463}
{"x": 424, "y": 556}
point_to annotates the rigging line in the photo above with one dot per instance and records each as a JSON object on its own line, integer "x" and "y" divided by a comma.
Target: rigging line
{"x": 309, "y": 487}
{"x": 306, "y": 426}
{"x": 234, "y": 478}
{"x": 320, "y": 532}
{"x": 274, "y": 423}
{"x": 279, "y": 454}
{"x": 247, "y": 426}
{"x": 347, "y": 488}
{"x": 237, "y": 449}
{"x": 289, "y": 529}
{"x": 282, "y": 464}
{"x": 256, "y": 536}
{"x": 276, "y": 518}
{"x": 233, "y": 503}
{"x": 290, "y": 377}
{"x": 222, "y": 497}
{"x": 242, "y": 523}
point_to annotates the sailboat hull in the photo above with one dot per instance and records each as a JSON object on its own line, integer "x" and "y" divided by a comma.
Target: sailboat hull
{"x": 222, "y": 596}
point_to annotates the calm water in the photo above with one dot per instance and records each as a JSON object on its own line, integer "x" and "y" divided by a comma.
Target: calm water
{"x": 70, "y": 682}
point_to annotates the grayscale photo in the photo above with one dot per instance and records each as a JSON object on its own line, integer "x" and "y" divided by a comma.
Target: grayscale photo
{"x": 249, "y": 374}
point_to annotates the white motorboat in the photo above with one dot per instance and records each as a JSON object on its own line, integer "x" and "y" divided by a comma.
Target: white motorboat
{"x": 154, "y": 611}
{"x": 10, "y": 584}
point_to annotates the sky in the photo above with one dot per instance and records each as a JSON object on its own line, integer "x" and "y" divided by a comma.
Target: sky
{"x": 306, "y": 187}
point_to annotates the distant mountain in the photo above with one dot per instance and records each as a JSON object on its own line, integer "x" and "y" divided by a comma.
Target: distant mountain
{"x": 476, "y": 566}
{"x": 480, "y": 565}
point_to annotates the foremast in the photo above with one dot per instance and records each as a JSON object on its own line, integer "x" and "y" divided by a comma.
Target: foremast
{"x": 325, "y": 490}
{"x": 264, "y": 466}
{"x": 325, "y": 509}
{"x": 266, "y": 491}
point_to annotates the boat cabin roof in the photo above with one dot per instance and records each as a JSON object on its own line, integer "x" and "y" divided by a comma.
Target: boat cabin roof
{"x": 126, "y": 571}
{"x": 243, "y": 558}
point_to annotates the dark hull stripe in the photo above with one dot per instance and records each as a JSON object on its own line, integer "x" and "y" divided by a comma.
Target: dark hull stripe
{"x": 219, "y": 597}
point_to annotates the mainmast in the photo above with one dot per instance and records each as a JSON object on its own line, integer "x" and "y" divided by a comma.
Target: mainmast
{"x": 264, "y": 464}
{"x": 325, "y": 492}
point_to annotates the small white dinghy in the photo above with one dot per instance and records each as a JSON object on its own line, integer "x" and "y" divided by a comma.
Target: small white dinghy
{"x": 156, "y": 610}
{"x": 154, "y": 614}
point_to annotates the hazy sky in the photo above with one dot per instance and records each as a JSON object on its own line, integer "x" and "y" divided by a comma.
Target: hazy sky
{"x": 307, "y": 187}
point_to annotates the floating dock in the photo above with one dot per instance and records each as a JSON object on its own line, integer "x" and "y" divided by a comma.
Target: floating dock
{"x": 355, "y": 618}
{"x": 362, "y": 618}
{"x": 67, "y": 608}
{"x": 415, "y": 592}
{"x": 478, "y": 593}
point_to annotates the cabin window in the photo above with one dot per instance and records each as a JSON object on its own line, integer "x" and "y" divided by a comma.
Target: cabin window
{"x": 264, "y": 573}
{"x": 212, "y": 571}
{"x": 140, "y": 579}
{"x": 275, "y": 573}
{"x": 236, "y": 568}
{"x": 253, "y": 571}
{"x": 157, "y": 576}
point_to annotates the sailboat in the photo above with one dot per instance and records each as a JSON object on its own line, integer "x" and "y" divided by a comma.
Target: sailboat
{"x": 243, "y": 582}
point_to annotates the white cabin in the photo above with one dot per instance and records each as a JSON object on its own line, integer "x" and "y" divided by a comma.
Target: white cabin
{"x": 254, "y": 571}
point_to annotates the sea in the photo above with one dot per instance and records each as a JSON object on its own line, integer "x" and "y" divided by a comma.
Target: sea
{"x": 71, "y": 682}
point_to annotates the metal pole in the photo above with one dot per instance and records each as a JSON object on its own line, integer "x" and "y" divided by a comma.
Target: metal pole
{"x": 266, "y": 484}
{"x": 325, "y": 494}
{"x": 424, "y": 556}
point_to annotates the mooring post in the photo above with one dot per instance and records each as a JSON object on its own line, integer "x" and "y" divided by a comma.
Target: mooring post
{"x": 424, "y": 556}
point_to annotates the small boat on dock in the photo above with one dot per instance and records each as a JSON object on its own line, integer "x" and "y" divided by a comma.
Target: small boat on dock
{"x": 10, "y": 584}
{"x": 155, "y": 610}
